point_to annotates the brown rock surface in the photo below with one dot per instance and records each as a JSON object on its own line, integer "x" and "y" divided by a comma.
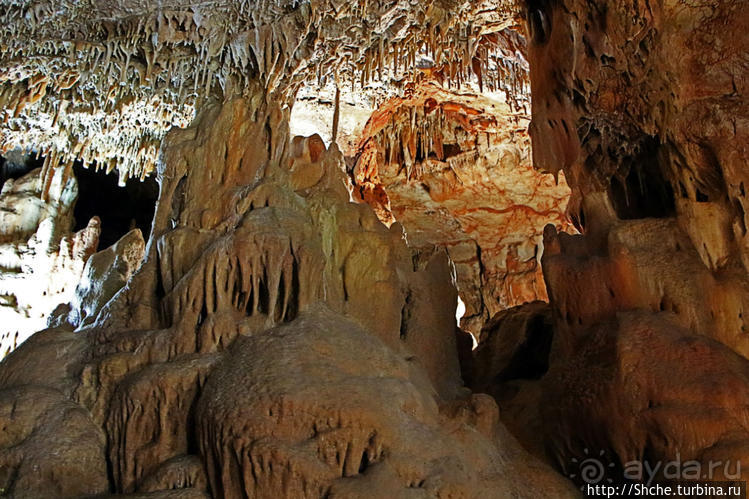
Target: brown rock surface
{"x": 637, "y": 103}
{"x": 648, "y": 122}
{"x": 272, "y": 338}
{"x": 510, "y": 363}
{"x": 245, "y": 356}
{"x": 329, "y": 409}
{"x": 454, "y": 169}
{"x": 50, "y": 446}
{"x": 649, "y": 390}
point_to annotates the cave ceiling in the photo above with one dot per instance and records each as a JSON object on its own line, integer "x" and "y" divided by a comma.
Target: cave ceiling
{"x": 102, "y": 81}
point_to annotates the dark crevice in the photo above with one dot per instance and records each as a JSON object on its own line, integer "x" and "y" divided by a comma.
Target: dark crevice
{"x": 683, "y": 190}
{"x": 539, "y": 21}
{"x": 531, "y": 359}
{"x": 644, "y": 192}
{"x": 278, "y": 312}
{"x": 364, "y": 464}
{"x": 578, "y": 220}
{"x": 292, "y": 307}
{"x": 15, "y": 165}
{"x": 236, "y": 292}
{"x": 120, "y": 209}
{"x": 178, "y": 200}
{"x": 160, "y": 290}
{"x": 263, "y": 294}
{"x": 203, "y": 315}
{"x": 406, "y": 315}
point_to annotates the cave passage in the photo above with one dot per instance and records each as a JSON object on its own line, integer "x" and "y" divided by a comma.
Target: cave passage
{"x": 644, "y": 192}
{"x": 120, "y": 209}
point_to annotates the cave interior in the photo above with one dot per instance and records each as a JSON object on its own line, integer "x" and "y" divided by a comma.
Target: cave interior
{"x": 295, "y": 248}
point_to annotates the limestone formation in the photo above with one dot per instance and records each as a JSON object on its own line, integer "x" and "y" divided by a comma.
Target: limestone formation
{"x": 286, "y": 326}
{"x": 454, "y": 169}
{"x": 105, "y": 273}
{"x": 244, "y": 356}
{"x": 352, "y": 420}
{"x": 51, "y": 447}
{"x": 642, "y": 108}
{"x": 103, "y": 80}
{"x": 510, "y": 363}
{"x": 41, "y": 259}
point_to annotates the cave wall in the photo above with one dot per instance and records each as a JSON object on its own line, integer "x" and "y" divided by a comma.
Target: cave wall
{"x": 245, "y": 357}
{"x": 41, "y": 257}
{"x": 271, "y": 338}
{"x": 275, "y": 339}
{"x": 641, "y": 105}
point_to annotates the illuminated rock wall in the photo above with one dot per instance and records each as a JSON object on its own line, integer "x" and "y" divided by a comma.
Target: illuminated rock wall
{"x": 41, "y": 259}
{"x": 454, "y": 168}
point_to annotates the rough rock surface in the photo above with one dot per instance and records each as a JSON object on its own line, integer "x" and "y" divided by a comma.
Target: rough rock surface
{"x": 278, "y": 340}
{"x": 643, "y": 107}
{"x": 41, "y": 260}
{"x": 50, "y": 446}
{"x": 104, "y": 80}
{"x": 641, "y": 388}
{"x": 262, "y": 286}
{"x": 351, "y": 420}
{"x": 244, "y": 356}
{"x": 454, "y": 168}
{"x": 510, "y": 363}
{"x": 105, "y": 273}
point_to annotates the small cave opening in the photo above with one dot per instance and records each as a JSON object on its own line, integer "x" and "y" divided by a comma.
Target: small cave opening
{"x": 120, "y": 209}
{"x": 578, "y": 220}
{"x": 15, "y": 164}
{"x": 644, "y": 192}
{"x": 531, "y": 360}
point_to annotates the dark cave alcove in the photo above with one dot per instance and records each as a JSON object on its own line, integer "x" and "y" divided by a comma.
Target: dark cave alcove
{"x": 644, "y": 192}
{"x": 120, "y": 209}
{"x": 16, "y": 164}
{"x": 531, "y": 358}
